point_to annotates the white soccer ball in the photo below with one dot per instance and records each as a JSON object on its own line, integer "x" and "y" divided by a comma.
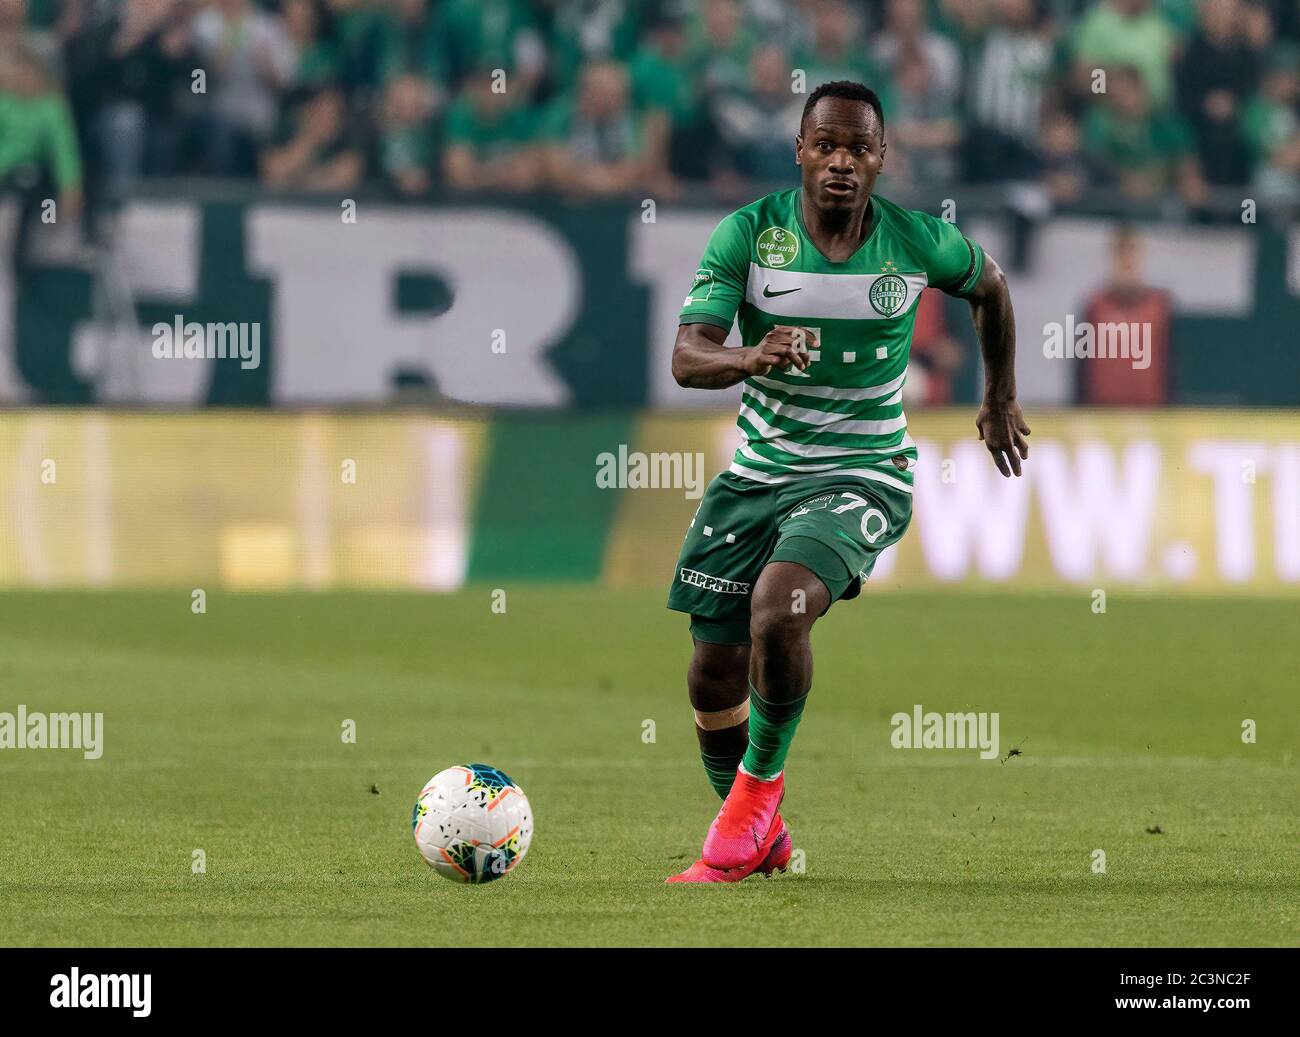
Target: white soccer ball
{"x": 472, "y": 823}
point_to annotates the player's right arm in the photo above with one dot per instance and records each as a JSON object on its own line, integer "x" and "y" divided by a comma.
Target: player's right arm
{"x": 700, "y": 360}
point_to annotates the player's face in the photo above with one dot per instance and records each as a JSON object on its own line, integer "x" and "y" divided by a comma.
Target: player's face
{"x": 841, "y": 151}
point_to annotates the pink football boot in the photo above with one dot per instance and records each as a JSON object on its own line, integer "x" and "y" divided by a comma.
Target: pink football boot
{"x": 777, "y": 859}
{"x": 745, "y": 828}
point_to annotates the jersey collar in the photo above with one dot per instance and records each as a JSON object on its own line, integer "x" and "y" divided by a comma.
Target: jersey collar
{"x": 871, "y": 230}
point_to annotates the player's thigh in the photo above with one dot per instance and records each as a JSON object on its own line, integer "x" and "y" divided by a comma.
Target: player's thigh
{"x": 788, "y": 598}
{"x": 722, "y": 555}
{"x": 839, "y": 532}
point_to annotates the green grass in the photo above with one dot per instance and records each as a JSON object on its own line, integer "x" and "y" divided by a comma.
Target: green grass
{"x": 222, "y": 733}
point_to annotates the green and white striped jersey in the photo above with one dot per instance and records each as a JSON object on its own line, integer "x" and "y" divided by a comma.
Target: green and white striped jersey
{"x": 843, "y": 415}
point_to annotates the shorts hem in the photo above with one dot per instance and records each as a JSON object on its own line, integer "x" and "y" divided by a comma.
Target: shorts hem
{"x": 720, "y": 631}
{"x": 824, "y": 562}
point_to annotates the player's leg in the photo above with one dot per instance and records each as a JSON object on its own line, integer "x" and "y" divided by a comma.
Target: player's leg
{"x": 724, "y": 550}
{"x": 788, "y": 598}
{"x": 825, "y": 545}
{"x": 718, "y": 684}
{"x": 718, "y": 681}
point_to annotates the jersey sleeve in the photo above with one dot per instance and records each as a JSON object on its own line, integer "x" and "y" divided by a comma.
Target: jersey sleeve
{"x": 953, "y": 263}
{"x": 719, "y": 285}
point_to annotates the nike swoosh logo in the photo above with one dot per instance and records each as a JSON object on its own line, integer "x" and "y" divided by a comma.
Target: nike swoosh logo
{"x": 769, "y": 294}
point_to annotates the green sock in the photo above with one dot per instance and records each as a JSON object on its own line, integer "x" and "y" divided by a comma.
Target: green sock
{"x": 721, "y": 749}
{"x": 721, "y": 769}
{"x": 771, "y": 730}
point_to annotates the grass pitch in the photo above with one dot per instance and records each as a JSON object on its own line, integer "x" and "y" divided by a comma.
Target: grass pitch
{"x": 223, "y": 734}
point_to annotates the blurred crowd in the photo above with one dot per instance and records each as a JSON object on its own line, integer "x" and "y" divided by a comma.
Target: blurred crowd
{"x": 1139, "y": 99}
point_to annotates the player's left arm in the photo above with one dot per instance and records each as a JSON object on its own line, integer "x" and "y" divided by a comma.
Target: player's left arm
{"x": 1000, "y": 422}
{"x": 958, "y": 266}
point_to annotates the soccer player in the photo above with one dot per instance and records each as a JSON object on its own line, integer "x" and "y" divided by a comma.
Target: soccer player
{"x": 825, "y": 280}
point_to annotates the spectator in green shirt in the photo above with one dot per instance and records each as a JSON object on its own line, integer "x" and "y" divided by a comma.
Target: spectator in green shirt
{"x": 1132, "y": 33}
{"x": 721, "y": 44}
{"x": 595, "y": 144}
{"x": 491, "y": 139}
{"x": 494, "y": 34}
{"x": 924, "y": 128}
{"x": 407, "y": 138}
{"x": 666, "y": 88}
{"x": 318, "y": 61}
{"x": 356, "y": 33}
{"x": 839, "y": 51}
{"x": 580, "y": 31}
{"x": 414, "y": 42}
{"x": 415, "y": 73}
{"x": 37, "y": 136}
{"x": 1270, "y": 126}
{"x": 1143, "y": 151}
{"x": 662, "y": 73}
{"x": 757, "y": 125}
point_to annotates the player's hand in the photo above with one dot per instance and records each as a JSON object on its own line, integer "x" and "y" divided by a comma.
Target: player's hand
{"x": 1002, "y": 428}
{"x": 783, "y": 347}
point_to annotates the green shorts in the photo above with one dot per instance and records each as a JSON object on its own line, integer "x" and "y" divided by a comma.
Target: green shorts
{"x": 835, "y": 527}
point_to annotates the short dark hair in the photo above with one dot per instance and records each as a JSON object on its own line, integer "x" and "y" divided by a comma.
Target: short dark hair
{"x": 846, "y": 90}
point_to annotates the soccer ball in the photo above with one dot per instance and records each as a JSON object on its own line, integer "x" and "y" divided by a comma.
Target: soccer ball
{"x": 472, "y": 824}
